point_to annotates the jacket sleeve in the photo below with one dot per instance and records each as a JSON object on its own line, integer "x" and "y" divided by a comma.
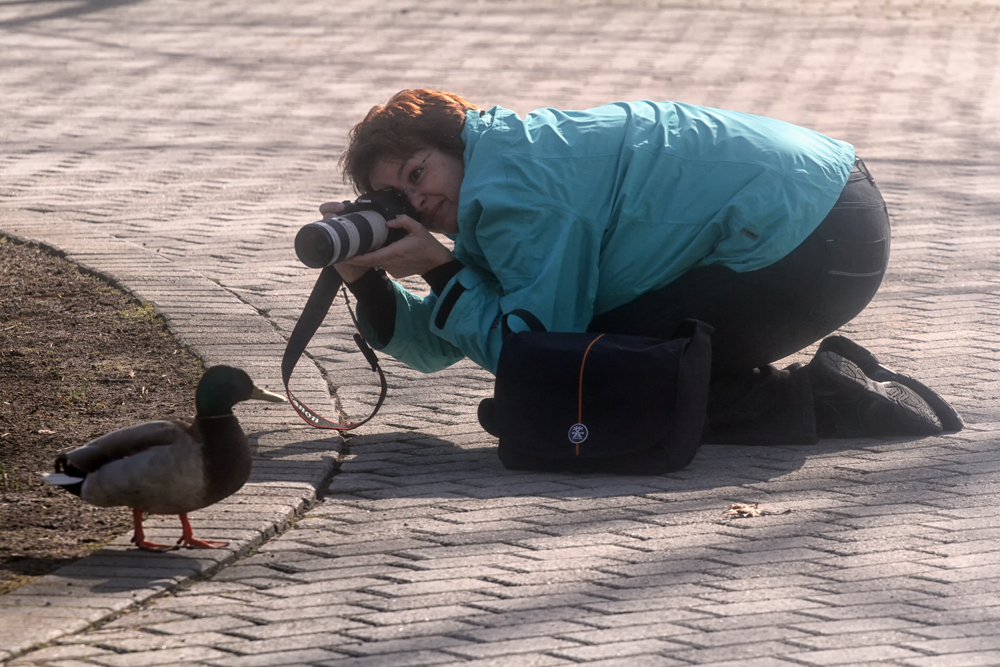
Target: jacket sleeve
{"x": 544, "y": 260}
{"x": 412, "y": 341}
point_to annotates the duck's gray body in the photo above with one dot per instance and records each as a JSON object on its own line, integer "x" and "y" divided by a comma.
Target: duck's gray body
{"x": 162, "y": 467}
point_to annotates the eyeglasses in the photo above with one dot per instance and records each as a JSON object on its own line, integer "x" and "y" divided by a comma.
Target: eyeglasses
{"x": 415, "y": 175}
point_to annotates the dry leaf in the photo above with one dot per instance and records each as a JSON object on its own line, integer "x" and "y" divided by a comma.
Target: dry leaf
{"x": 744, "y": 510}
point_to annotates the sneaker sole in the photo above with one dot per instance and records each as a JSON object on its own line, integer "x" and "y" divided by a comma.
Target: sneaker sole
{"x": 915, "y": 415}
{"x": 951, "y": 421}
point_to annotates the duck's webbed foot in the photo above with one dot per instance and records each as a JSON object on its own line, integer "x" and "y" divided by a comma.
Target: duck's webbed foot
{"x": 139, "y": 537}
{"x": 189, "y": 540}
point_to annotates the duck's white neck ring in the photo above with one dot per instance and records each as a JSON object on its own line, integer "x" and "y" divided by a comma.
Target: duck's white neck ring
{"x": 215, "y": 416}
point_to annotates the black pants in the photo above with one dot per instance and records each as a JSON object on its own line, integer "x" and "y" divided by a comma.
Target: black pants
{"x": 762, "y": 316}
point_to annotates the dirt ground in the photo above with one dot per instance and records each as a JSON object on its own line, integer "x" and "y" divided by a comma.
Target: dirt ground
{"x": 78, "y": 358}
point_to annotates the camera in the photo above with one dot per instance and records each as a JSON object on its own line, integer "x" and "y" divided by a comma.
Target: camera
{"x": 360, "y": 228}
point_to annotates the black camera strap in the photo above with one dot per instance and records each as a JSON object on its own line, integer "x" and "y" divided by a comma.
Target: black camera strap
{"x": 317, "y": 306}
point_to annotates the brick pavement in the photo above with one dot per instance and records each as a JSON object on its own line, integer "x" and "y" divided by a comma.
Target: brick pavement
{"x": 177, "y": 146}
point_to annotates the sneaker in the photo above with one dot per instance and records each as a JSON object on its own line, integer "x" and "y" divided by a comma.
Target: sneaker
{"x": 851, "y": 404}
{"x": 951, "y": 421}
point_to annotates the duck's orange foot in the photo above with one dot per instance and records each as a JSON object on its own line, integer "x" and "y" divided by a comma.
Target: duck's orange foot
{"x": 151, "y": 546}
{"x": 189, "y": 540}
{"x": 139, "y": 537}
{"x": 195, "y": 543}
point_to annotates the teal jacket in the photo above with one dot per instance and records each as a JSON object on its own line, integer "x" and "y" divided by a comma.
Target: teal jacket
{"x": 569, "y": 214}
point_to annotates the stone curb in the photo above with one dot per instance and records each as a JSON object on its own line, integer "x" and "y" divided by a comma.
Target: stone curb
{"x": 291, "y": 462}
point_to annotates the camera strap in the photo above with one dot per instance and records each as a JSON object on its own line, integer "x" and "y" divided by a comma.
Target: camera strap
{"x": 317, "y": 306}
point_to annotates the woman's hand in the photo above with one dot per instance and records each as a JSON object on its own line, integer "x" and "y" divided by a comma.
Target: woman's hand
{"x": 332, "y": 209}
{"x": 413, "y": 255}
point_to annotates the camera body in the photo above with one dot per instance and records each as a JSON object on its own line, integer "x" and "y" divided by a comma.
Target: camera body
{"x": 360, "y": 228}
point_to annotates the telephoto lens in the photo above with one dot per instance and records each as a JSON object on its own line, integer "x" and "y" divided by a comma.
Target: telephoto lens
{"x": 359, "y": 229}
{"x": 334, "y": 240}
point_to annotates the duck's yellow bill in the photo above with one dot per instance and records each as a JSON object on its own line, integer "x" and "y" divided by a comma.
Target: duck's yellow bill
{"x": 265, "y": 395}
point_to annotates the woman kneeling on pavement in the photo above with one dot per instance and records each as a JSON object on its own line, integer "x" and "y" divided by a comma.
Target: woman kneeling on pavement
{"x": 631, "y": 218}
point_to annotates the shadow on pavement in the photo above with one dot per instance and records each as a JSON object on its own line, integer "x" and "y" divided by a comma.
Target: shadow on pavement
{"x": 60, "y": 9}
{"x": 407, "y": 465}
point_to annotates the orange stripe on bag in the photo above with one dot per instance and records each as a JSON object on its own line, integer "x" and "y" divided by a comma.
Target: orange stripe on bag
{"x": 579, "y": 413}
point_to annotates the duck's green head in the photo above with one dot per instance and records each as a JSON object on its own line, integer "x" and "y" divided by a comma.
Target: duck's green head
{"x": 222, "y": 387}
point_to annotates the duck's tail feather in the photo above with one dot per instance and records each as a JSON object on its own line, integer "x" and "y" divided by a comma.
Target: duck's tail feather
{"x": 72, "y": 484}
{"x": 60, "y": 479}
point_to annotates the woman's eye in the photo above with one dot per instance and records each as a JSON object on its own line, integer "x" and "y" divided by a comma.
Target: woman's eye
{"x": 418, "y": 172}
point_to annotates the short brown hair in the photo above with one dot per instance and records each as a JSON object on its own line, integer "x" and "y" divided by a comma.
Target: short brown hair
{"x": 410, "y": 121}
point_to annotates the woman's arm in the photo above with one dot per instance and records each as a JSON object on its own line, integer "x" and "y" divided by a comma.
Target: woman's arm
{"x": 379, "y": 299}
{"x": 543, "y": 260}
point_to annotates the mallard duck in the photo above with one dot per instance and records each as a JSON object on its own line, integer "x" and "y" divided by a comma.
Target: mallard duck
{"x": 169, "y": 466}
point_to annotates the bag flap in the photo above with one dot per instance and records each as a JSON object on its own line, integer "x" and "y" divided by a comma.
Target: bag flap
{"x": 586, "y": 395}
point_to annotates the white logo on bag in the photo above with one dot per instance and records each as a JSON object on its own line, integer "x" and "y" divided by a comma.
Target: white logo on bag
{"x": 578, "y": 433}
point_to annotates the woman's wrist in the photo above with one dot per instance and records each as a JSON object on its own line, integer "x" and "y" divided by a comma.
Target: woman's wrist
{"x": 440, "y": 256}
{"x": 439, "y": 276}
{"x": 351, "y": 273}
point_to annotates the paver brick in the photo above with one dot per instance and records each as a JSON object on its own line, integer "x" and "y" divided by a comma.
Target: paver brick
{"x": 435, "y": 629}
{"x": 853, "y": 656}
{"x": 303, "y": 626}
{"x": 964, "y": 659}
{"x": 219, "y": 623}
{"x": 262, "y": 616}
{"x": 54, "y": 653}
{"x": 748, "y": 650}
{"x": 407, "y": 659}
{"x": 297, "y": 657}
{"x": 157, "y": 642}
{"x": 173, "y": 656}
{"x": 859, "y": 639}
{"x": 756, "y": 662}
{"x": 284, "y": 644}
{"x": 512, "y": 647}
{"x": 618, "y": 649}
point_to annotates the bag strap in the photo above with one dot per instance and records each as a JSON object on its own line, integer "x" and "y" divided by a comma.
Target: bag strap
{"x": 316, "y": 308}
{"x": 525, "y": 316}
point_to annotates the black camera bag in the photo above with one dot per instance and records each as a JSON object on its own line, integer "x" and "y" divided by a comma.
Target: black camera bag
{"x": 589, "y": 402}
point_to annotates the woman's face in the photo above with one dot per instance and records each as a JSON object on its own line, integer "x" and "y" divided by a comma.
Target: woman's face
{"x": 431, "y": 180}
